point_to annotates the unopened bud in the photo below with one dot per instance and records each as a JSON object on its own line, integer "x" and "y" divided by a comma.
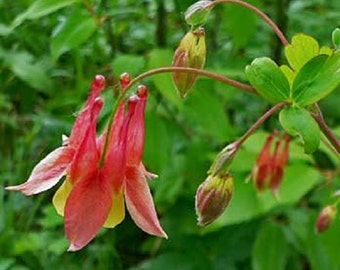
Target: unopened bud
{"x": 197, "y": 14}
{"x": 124, "y": 79}
{"x": 191, "y": 53}
{"x": 336, "y": 38}
{"x": 212, "y": 197}
{"x": 325, "y": 218}
{"x": 223, "y": 159}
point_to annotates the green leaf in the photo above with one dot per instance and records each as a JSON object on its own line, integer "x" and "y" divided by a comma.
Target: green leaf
{"x": 39, "y": 9}
{"x": 298, "y": 121}
{"x": 268, "y": 79}
{"x": 316, "y": 79}
{"x": 289, "y": 73}
{"x": 270, "y": 248}
{"x": 72, "y": 33}
{"x": 163, "y": 58}
{"x": 301, "y": 50}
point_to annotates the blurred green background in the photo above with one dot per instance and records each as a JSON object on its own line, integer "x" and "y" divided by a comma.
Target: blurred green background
{"x": 49, "y": 53}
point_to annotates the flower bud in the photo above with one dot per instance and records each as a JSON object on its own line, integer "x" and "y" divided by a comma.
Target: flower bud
{"x": 212, "y": 197}
{"x": 190, "y": 53}
{"x": 325, "y": 218}
{"x": 223, "y": 159}
{"x": 197, "y": 14}
{"x": 336, "y": 38}
{"x": 124, "y": 79}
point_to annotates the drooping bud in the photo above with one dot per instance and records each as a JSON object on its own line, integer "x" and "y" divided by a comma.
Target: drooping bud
{"x": 336, "y": 38}
{"x": 124, "y": 79}
{"x": 212, "y": 197}
{"x": 223, "y": 159}
{"x": 325, "y": 218}
{"x": 142, "y": 91}
{"x": 191, "y": 53}
{"x": 197, "y": 14}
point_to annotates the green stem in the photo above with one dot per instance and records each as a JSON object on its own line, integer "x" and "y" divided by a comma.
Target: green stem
{"x": 201, "y": 72}
{"x": 259, "y": 122}
{"x": 276, "y": 29}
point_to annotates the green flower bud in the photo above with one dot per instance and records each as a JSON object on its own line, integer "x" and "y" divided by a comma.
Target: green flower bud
{"x": 197, "y": 14}
{"x": 336, "y": 38}
{"x": 190, "y": 53}
{"x": 223, "y": 159}
{"x": 212, "y": 197}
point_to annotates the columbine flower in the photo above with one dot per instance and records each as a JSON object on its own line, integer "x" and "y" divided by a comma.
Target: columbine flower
{"x": 190, "y": 53}
{"x": 269, "y": 168}
{"x": 101, "y": 172}
{"x": 325, "y": 218}
{"x": 54, "y": 166}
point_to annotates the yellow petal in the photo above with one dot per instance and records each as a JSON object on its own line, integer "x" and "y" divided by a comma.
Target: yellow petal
{"x": 117, "y": 212}
{"x": 60, "y": 197}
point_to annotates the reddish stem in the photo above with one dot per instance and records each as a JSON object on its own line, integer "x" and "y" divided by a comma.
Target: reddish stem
{"x": 259, "y": 122}
{"x": 202, "y": 72}
{"x": 318, "y": 117}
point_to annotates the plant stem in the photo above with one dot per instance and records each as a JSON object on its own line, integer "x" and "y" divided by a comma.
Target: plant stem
{"x": 259, "y": 122}
{"x": 318, "y": 117}
{"x": 276, "y": 29}
{"x": 202, "y": 72}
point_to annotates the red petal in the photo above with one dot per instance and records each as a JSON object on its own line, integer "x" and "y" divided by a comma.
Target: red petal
{"x": 86, "y": 159}
{"x": 86, "y": 210}
{"x": 115, "y": 162}
{"x": 140, "y": 204}
{"x": 84, "y": 118}
{"x": 47, "y": 172}
{"x": 136, "y": 133}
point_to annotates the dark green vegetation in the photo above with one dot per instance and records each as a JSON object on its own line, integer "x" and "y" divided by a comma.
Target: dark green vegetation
{"x": 48, "y": 57}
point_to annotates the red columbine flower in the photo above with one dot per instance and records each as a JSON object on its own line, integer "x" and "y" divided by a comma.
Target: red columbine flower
{"x": 269, "y": 168}
{"x": 54, "y": 166}
{"x": 100, "y": 173}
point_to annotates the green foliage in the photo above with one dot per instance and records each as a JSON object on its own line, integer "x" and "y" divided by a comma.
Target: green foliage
{"x": 49, "y": 53}
{"x": 298, "y": 121}
{"x": 268, "y": 80}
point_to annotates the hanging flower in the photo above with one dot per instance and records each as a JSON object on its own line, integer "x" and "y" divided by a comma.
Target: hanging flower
{"x": 100, "y": 172}
{"x": 268, "y": 171}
